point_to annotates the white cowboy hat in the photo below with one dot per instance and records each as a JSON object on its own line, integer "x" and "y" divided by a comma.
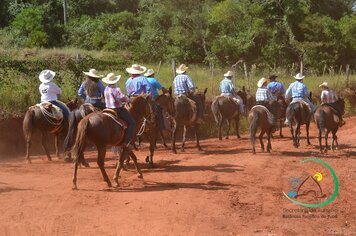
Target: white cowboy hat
{"x": 299, "y": 76}
{"x": 136, "y": 69}
{"x": 93, "y": 73}
{"x": 149, "y": 72}
{"x": 324, "y": 84}
{"x": 111, "y": 79}
{"x": 46, "y": 76}
{"x": 228, "y": 74}
{"x": 181, "y": 69}
{"x": 261, "y": 82}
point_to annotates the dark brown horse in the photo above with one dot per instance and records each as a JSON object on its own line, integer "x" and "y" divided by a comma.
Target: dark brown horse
{"x": 102, "y": 130}
{"x": 226, "y": 109}
{"x": 283, "y": 105}
{"x": 327, "y": 121}
{"x": 258, "y": 119}
{"x": 185, "y": 116}
{"x": 41, "y": 118}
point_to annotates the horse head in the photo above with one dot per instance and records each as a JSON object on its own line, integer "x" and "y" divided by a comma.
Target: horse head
{"x": 341, "y": 104}
{"x": 202, "y": 97}
{"x": 166, "y": 101}
{"x": 140, "y": 106}
{"x": 72, "y": 104}
{"x": 243, "y": 94}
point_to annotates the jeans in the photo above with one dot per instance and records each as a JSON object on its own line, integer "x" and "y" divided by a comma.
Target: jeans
{"x": 131, "y": 123}
{"x": 62, "y": 107}
{"x": 98, "y": 103}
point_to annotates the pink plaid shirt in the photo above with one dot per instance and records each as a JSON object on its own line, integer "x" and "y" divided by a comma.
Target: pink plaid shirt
{"x": 328, "y": 96}
{"x": 114, "y": 97}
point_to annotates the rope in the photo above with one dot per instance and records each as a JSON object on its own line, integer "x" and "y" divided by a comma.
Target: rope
{"x": 48, "y": 114}
{"x": 143, "y": 126}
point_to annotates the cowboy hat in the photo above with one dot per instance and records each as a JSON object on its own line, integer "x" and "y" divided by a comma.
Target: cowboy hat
{"x": 181, "y": 69}
{"x": 46, "y": 76}
{"x": 261, "y": 82}
{"x": 299, "y": 76}
{"x": 136, "y": 69}
{"x": 93, "y": 73}
{"x": 149, "y": 72}
{"x": 228, "y": 74}
{"x": 111, "y": 79}
{"x": 272, "y": 77}
{"x": 324, "y": 84}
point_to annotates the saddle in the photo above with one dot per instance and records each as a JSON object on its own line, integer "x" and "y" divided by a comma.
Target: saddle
{"x": 112, "y": 114}
{"x": 231, "y": 98}
{"x": 52, "y": 110}
{"x": 269, "y": 114}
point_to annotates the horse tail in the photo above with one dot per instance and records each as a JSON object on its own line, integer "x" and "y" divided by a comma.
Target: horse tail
{"x": 254, "y": 118}
{"x": 290, "y": 112}
{"x": 321, "y": 121}
{"x": 80, "y": 141}
{"x": 27, "y": 125}
{"x": 72, "y": 124}
{"x": 216, "y": 111}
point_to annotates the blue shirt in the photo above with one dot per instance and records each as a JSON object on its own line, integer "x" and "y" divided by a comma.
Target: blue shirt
{"x": 183, "y": 84}
{"x": 136, "y": 86}
{"x": 97, "y": 95}
{"x": 297, "y": 90}
{"x": 155, "y": 85}
{"x": 276, "y": 87}
{"x": 227, "y": 87}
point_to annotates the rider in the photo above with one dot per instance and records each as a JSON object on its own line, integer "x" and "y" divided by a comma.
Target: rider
{"x": 113, "y": 100}
{"x": 275, "y": 87}
{"x": 50, "y": 90}
{"x": 137, "y": 83}
{"x": 329, "y": 97}
{"x": 155, "y": 85}
{"x": 298, "y": 91}
{"x": 264, "y": 98}
{"x": 183, "y": 85}
{"x": 92, "y": 90}
{"x": 227, "y": 89}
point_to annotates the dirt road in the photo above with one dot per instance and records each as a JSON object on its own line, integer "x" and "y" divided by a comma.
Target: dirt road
{"x": 223, "y": 190}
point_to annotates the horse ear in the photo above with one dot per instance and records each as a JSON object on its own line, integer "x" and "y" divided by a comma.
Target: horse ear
{"x": 244, "y": 89}
{"x": 205, "y": 90}
{"x": 170, "y": 90}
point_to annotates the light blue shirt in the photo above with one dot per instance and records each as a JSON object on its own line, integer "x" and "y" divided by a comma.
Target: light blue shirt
{"x": 297, "y": 90}
{"x": 227, "y": 87}
{"x": 155, "y": 85}
{"x": 136, "y": 86}
{"x": 183, "y": 84}
{"x": 276, "y": 87}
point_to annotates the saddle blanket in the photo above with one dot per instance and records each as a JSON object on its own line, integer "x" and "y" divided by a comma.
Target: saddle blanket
{"x": 269, "y": 114}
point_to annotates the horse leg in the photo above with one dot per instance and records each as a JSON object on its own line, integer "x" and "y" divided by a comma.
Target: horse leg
{"x": 28, "y": 146}
{"x": 220, "y": 127}
{"x": 326, "y": 140}
{"x": 153, "y": 141}
{"x": 335, "y": 139}
{"x": 197, "y": 137}
{"x": 101, "y": 162}
{"x": 319, "y": 137}
{"x": 74, "y": 180}
{"x": 183, "y": 139}
{"x": 261, "y": 139}
{"x": 307, "y": 127}
{"x": 138, "y": 170}
{"x": 280, "y": 128}
{"x": 119, "y": 166}
{"x": 237, "y": 127}
{"x": 269, "y": 146}
{"x": 228, "y": 129}
{"x": 163, "y": 139}
{"x": 44, "y": 145}
{"x": 56, "y": 145}
{"x": 174, "y": 136}
{"x": 293, "y": 137}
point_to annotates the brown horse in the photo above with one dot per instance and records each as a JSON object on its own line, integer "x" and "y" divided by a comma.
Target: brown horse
{"x": 185, "y": 116}
{"x": 327, "y": 120}
{"x": 225, "y": 108}
{"x": 258, "y": 118}
{"x": 283, "y": 105}
{"x": 36, "y": 119}
{"x": 102, "y": 130}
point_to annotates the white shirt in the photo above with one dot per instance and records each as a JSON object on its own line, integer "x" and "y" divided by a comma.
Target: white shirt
{"x": 49, "y": 91}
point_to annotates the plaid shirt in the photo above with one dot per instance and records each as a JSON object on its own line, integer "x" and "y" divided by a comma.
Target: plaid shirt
{"x": 183, "y": 84}
{"x": 263, "y": 95}
{"x": 328, "y": 96}
{"x": 114, "y": 97}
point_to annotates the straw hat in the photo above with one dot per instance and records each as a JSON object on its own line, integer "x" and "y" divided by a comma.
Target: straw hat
{"x": 111, "y": 79}
{"x": 149, "y": 72}
{"x": 228, "y": 74}
{"x": 93, "y": 73}
{"x": 136, "y": 69}
{"x": 181, "y": 69}
{"x": 324, "y": 84}
{"x": 261, "y": 82}
{"x": 298, "y": 76}
{"x": 46, "y": 76}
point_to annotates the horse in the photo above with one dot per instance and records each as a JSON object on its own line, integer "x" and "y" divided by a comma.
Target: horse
{"x": 299, "y": 113}
{"x": 258, "y": 118}
{"x": 327, "y": 120}
{"x": 283, "y": 105}
{"x": 103, "y": 130}
{"x": 42, "y": 119}
{"x": 185, "y": 116}
{"x": 225, "y": 108}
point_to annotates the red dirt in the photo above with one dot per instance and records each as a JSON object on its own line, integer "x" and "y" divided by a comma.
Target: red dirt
{"x": 223, "y": 190}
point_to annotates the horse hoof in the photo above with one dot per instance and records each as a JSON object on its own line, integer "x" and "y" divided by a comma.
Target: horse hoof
{"x": 220, "y": 138}
{"x": 174, "y": 152}
{"x": 227, "y": 137}
{"x": 86, "y": 164}
{"x": 140, "y": 176}
{"x": 68, "y": 159}
{"x": 74, "y": 187}
{"x": 109, "y": 184}
{"x": 29, "y": 162}
{"x": 147, "y": 159}
{"x": 238, "y": 136}
{"x": 150, "y": 165}
{"x": 200, "y": 149}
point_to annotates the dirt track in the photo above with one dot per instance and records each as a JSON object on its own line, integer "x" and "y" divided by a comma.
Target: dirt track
{"x": 223, "y": 190}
